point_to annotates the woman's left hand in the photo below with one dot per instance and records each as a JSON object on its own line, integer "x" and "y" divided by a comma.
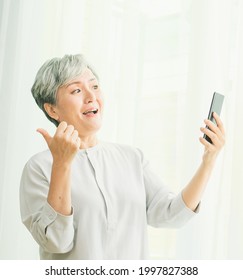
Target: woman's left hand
{"x": 217, "y": 135}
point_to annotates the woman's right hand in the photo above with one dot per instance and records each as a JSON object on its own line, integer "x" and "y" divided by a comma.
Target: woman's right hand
{"x": 64, "y": 144}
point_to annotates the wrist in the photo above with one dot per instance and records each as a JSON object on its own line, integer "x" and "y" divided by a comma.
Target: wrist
{"x": 208, "y": 162}
{"x": 60, "y": 164}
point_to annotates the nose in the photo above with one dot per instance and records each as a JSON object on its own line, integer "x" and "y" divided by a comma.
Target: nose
{"x": 89, "y": 96}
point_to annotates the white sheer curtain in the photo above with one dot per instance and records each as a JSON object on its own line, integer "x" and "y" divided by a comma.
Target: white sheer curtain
{"x": 159, "y": 63}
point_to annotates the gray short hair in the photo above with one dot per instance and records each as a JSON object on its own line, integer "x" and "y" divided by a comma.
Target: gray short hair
{"x": 53, "y": 74}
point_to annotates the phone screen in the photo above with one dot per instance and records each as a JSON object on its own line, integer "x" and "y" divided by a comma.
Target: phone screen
{"x": 216, "y": 106}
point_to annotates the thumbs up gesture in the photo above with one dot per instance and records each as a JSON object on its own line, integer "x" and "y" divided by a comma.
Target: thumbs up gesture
{"x": 64, "y": 144}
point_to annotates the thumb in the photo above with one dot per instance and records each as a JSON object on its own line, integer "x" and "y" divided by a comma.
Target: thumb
{"x": 45, "y": 134}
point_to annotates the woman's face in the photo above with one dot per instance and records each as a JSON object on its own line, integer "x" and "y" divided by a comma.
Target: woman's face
{"x": 80, "y": 103}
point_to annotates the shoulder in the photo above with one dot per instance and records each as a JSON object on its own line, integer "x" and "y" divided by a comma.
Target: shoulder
{"x": 37, "y": 169}
{"x": 39, "y": 160}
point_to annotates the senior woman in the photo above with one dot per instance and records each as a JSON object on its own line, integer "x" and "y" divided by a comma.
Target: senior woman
{"x": 87, "y": 199}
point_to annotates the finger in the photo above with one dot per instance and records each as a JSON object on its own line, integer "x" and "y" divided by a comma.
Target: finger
{"x": 78, "y": 141}
{"x": 213, "y": 136}
{"x": 212, "y": 126}
{"x": 69, "y": 130}
{"x": 207, "y": 145}
{"x": 45, "y": 134}
{"x": 219, "y": 122}
{"x": 61, "y": 128}
{"x": 218, "y": 133}
{"x": 74, "y": 135}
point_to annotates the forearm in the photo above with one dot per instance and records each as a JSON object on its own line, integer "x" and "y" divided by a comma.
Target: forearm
{"x": 59, "y": 196}
{"x": 193, "y": 192}
{"x": 63, "y": 146}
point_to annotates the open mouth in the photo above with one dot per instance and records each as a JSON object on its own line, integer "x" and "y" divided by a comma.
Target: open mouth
{"x": 93, "y": 111}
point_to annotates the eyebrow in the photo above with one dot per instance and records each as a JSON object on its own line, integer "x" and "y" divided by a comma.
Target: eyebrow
{"x": 77, "y": 82}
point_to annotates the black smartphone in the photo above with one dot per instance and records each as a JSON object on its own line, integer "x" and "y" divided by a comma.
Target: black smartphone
{"x": 216, "y": 106}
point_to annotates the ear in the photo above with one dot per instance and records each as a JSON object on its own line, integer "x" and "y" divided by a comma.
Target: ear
{"x": 51, "y": 111}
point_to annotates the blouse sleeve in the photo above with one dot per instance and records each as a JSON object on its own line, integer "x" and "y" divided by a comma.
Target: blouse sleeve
{"x": 164, "y": 208}
{"x": 52, "y": 231}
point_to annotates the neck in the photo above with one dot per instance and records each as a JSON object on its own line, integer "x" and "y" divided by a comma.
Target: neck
{"x": 88, "y": 141}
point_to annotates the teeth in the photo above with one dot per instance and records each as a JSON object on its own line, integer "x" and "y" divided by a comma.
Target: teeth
{"x": 92, "y": 111}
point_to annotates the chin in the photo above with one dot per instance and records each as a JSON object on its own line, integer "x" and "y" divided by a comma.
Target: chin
{"x": 94, "y": 127}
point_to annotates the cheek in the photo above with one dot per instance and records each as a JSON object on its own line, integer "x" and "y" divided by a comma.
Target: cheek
{"x": 101, "y": 102}
{"x": 67, "y": 109}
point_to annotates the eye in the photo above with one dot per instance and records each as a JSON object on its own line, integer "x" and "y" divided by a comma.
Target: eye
{"x": 76, "y": 91}
{"x": 95, "y": 87}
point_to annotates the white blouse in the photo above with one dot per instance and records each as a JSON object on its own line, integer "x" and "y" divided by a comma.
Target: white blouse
{"x": 114, "y": 197}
